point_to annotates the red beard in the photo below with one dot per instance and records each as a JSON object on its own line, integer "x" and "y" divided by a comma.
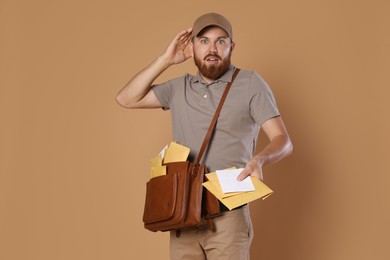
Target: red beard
{"x": 213, "y": 72}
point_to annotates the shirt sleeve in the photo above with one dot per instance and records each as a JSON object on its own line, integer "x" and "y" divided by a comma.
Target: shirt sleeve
{"x": 262, "y": 102}
{"x": 163, "y": 93}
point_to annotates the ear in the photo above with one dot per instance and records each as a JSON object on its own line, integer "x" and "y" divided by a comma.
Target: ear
{"x": 232, "y": 46}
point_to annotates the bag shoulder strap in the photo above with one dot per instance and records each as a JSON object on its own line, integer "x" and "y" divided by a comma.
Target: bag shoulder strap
{"x": 215, "y": 118}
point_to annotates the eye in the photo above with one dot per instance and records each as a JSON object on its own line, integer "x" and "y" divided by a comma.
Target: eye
{"x": 221, "y": 42}
{"x": 203, "y": 41}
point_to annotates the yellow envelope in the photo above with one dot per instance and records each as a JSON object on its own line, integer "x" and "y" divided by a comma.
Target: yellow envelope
{"x": 238, "y": 198}
{"x": 176, "y": 153}
{"x": 213, "y": 178}
{"x": 158, "y": 171}
{"x": 156, "y": 168}
{"x": 156, "y": 161}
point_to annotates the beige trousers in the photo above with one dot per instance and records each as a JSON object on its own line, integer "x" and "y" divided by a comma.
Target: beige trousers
{"x": 230, "y": 241}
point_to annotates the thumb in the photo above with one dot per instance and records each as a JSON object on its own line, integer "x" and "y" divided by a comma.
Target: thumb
{"x": 243, "y": 174}
{"x": 189, "y": 52}
{"x": 187, "y": 55}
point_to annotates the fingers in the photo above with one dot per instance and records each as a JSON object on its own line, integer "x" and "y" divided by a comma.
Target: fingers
{"x": 184, "y": 35}
{"x": 176, "y": 50}
{"x": 185, "y": 39}
{"x": 251, "y": 169}
{"x": 181, "y": 41}
{"x": 245, "y": 173}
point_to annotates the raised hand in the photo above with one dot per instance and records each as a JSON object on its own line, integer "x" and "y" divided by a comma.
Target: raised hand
{"x": 137, "y": 92}
{"x": 176, "y": 52}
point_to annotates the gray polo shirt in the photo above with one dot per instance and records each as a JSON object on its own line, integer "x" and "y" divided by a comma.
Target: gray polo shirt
{"x": 193, "y": 102}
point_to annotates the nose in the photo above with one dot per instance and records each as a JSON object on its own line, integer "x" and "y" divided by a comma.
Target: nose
{"x": 213, "y": 48}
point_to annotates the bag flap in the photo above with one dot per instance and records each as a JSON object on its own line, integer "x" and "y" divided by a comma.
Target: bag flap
{"x": 161, "y": 197}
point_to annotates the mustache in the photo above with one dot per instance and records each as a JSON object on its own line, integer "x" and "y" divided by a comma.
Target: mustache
{"x": 212, "y": 56}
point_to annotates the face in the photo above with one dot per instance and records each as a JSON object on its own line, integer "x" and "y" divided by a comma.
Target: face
{"x": 212, "y": 50}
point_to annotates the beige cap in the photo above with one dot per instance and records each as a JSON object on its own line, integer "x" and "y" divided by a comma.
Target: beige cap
{"x": 212, "y": 19}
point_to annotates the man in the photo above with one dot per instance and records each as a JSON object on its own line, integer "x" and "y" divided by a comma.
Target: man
{"x": 193, "y": 101}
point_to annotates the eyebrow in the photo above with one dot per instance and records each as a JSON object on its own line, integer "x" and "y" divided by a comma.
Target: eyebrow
{"x": 218, "y": 38}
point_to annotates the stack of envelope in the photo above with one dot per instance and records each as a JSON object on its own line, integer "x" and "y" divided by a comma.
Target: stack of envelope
{"x": 173, "y": 153}
{"x": 235, "y": 199}
{"x": 177, "y": 153}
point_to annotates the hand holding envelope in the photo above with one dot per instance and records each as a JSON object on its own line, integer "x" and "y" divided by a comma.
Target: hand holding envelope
{"x": 242, "y": 195}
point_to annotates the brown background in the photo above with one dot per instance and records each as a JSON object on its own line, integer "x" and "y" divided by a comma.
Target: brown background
{"x": 74, "y": 164}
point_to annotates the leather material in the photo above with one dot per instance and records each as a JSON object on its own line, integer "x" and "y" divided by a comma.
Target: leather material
{"x": 210, "y": 204}
{"x": 161, "y": 198}
{"x": 174, "y": 201}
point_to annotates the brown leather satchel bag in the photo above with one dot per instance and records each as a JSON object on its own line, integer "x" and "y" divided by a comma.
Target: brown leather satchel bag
{"x": 178, "y": 200}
